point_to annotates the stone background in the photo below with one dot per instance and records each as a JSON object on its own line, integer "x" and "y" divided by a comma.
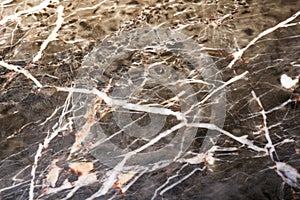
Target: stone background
{"x": 222, "y": 26}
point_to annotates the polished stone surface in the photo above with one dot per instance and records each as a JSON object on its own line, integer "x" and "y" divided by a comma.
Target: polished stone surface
{"x": 132, "y": 99}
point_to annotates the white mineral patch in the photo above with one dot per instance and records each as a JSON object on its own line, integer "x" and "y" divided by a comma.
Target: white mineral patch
{"x": 287, "y": 82}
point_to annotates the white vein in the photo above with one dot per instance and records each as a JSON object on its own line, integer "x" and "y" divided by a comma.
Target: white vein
{"x": 238, "y": 54}
{"x": 58, "y": 127}
{"x": 269, "y": 146}
{"x": 22, "y": 71}
{"x": 34, "y": 9}
{"x": 53, "y": 34}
